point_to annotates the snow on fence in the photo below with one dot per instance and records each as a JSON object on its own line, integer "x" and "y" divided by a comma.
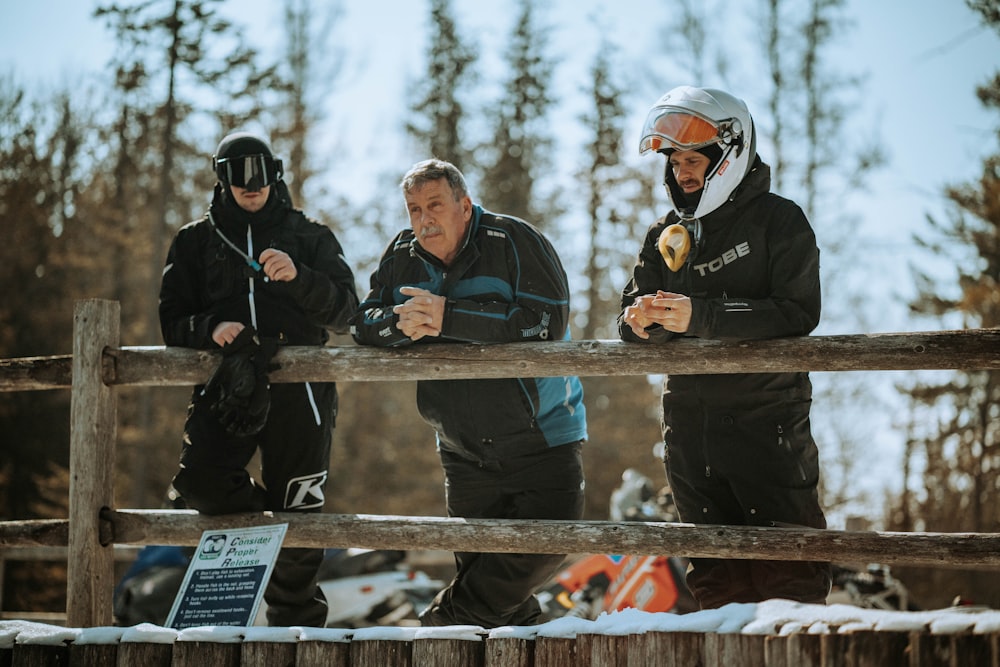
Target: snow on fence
{"x": 775, "y": 633}
{"x": 99, "y": 364}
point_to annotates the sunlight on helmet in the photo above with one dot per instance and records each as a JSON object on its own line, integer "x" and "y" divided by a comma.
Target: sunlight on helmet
{"x": 671, "y": 128}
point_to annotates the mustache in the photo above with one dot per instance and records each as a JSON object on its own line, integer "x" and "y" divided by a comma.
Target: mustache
{"x": 430, "y": 230}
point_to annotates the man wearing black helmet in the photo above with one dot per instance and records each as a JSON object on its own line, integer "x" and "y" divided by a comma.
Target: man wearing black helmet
{"x": 732, "y": 261}
{"x": 255, "y": 273}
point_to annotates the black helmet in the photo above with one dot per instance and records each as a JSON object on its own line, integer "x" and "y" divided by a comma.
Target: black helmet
{"x": 246, "y": 161}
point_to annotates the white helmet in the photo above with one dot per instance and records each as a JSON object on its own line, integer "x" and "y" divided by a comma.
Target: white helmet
{"x": 709, "y": 120}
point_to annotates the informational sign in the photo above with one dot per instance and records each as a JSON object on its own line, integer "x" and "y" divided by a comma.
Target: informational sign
{"x": 225, "y": 581}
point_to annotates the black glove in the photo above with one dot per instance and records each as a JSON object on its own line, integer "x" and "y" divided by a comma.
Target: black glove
{"x": 239, "y": 388}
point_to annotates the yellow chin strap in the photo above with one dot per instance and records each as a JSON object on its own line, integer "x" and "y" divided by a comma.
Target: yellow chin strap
{"x": 674, "y": 244}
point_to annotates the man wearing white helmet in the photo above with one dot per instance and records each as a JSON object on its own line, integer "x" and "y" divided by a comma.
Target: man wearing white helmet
{"x": 731, "y": 261}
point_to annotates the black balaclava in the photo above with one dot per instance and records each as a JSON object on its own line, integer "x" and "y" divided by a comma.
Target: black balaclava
{"x": 689, "y": 201}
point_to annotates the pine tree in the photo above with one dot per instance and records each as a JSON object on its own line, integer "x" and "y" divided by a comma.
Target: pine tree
{"x": 437, "y": 112}
{"x": 311, "y": 68}
{"x": 618, "y": 206}
{"x": 955, "y": 441}
{"x": 521, "y": 144}
{"x": 803, "y": 136}
{"x": 41, "y": 177}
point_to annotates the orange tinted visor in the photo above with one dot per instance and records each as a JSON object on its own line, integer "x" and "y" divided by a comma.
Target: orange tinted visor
{"x": 671, "y": 128}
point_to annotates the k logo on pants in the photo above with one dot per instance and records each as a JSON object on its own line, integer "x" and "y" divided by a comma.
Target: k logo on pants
{"x": 305, "y": 492}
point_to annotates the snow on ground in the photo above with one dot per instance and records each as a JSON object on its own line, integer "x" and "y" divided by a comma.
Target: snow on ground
{"x": 773, "y": 617}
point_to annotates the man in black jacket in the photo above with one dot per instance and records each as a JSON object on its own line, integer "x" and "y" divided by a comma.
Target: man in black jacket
{"x": 510, "y": 447}
{"x": 732, "y": 261}
{"x": 254, "y": 273}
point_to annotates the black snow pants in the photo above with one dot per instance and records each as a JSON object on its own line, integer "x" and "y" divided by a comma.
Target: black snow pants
{"x": 294, "y": 460}
{"x": 750, "y": 465}
{"x": 497, "y": 589}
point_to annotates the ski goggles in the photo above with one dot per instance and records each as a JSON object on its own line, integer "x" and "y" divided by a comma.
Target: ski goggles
{"x": 251, "y": 172}
{"x": 683, "y": 130}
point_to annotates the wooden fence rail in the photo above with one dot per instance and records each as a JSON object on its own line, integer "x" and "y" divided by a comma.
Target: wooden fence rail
{"x": 99, "y": 364}
{"x": 856, "y": 648}
{"x": 970, "y": 349}
{"x": 408, "y": 533}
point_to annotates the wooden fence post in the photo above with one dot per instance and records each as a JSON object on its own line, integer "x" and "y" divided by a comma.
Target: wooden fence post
{"x": 93, "y": 426}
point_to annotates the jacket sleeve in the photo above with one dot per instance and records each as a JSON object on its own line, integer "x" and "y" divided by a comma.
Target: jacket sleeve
{"x": 184, "y": 319}
{"x": 324, "y": 285}
{"x": 792, "y": 306}
{"x": 534, "y": 304}
{"x": 647, "y": 278}
{"x": 374, "y": 323}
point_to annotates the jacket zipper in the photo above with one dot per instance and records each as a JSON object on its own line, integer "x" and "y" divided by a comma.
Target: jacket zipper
{"x": 250, "y": 297}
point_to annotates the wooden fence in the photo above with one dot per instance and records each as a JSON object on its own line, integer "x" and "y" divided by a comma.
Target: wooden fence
{"x": 858, "y": 648}
{"x": 99, "y": 364}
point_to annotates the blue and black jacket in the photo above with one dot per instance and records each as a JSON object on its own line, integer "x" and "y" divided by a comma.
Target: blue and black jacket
{"x": 505, "y": 285}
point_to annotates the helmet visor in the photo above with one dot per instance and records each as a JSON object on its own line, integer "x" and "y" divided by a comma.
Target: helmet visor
{"x": 251, "y": 172}
{"x": 674, "y": 128}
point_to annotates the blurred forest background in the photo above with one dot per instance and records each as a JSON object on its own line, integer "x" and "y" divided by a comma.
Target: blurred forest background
{"x": 96, "y": 178}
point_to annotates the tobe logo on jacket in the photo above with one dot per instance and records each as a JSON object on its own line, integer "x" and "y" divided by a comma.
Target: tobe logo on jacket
{"x": 728, "y": 257}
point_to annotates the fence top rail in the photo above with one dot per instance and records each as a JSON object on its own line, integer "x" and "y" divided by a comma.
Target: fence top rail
{"x": 967, "y": 349}
{"x": 416, "y": 533}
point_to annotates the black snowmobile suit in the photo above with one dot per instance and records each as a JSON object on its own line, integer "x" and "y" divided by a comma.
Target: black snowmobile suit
{"x": 739, "y": 448}
{"x": 206, "y": 281}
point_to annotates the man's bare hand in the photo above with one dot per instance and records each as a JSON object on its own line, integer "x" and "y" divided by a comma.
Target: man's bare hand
{"x": 226, "y": 332}
{"x": 422, "y": 314}
{"x": 670, "y": 310}
{"x": 278, "y": 266}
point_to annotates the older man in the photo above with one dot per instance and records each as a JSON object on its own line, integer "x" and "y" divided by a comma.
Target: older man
{"x": 510, "y": 448}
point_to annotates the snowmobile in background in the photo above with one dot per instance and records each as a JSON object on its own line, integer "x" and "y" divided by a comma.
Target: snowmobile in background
{"x": 366, "y": 587}
{"x": 363, "y": 587}
{"x": 605, "y": 583}
{"x": 874, "y": 588}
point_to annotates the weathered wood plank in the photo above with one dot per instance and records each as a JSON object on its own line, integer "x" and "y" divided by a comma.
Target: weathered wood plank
{"x": 39, "y": 655}
{"x": 267, "y": 654}
{"x": 437, "y": 652}
{"x": 800, "y": 649}
{"x": 34, "y": 373}
{"x": 328, "y": 654}
{"x": 202, "y": 653}
{"x": 93, "y": 654}
{"x": 509, "y": 652}
{"x": 93, "y": 428}
{"x": 142, "y": 527}
{"x": 602, "y": 650}
{"x": 146, "y": 654}
{"x": 971, "y": 349}
{"x": 733, "y": 650}
{"x": 964, "y": 350}
{"x": 556, "y": 652}
{"x": 34, "y": 533}
{"x": 382, "y": 652}
{"x": 653, "y": 649}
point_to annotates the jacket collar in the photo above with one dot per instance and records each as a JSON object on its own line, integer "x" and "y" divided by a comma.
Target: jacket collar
{"x": 755, "y": 184}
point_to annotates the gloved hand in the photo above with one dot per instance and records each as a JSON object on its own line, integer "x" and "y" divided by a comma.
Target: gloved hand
{"x": 239, "y": 388}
